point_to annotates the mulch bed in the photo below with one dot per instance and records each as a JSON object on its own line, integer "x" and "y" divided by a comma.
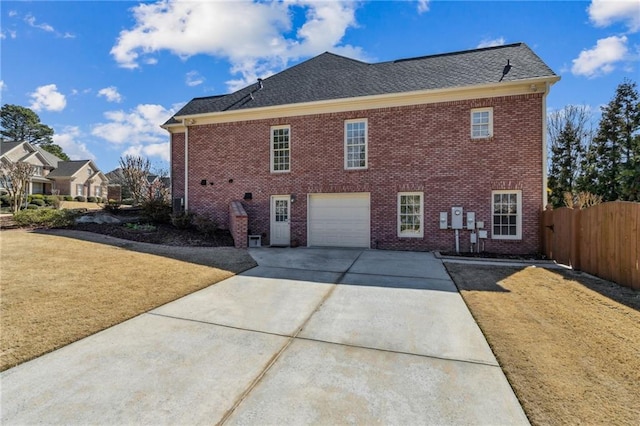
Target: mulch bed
{"x": 164, "y": 234}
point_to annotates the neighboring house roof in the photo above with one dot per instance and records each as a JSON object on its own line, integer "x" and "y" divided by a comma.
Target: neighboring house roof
{"x": 52, "y": 159}
{"x": 67, "y": 168}
{"x": 329, "y": 76}
{"x": 5, "y": 147}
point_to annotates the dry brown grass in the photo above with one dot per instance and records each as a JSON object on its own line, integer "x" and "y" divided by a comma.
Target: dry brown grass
{"x": 56, "y": 290}
{"x": 568, "y": 343}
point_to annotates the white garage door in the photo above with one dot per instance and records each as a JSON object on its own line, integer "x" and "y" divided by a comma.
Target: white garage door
{"x": 339, "y": 220}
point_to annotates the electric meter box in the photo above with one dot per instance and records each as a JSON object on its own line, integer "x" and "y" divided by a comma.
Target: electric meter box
{"x": 456, "y": 217}
{"x": 471, "y": 220}
{"x": 443, "y": 220}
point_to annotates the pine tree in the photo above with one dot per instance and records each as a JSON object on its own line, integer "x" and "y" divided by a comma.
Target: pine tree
{"x": 612, "y": 163}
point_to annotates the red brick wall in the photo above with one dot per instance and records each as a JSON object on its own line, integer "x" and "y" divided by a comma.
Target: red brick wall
{"x": 177, "y": 165}
{"x": 238, "y": 224}
{"x": 418, "y": 148}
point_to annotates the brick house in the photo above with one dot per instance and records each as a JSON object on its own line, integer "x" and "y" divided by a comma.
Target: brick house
{"x": 413, "y": 154}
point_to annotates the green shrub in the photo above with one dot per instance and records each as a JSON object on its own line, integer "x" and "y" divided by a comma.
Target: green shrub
{"x": 112, "y": 206}
{"x": 80, "y": 198}
{"x": 68, "y": 197}
{"x": 5, "y": 201}
{"x": 50, "y": 199}
{"x": 182, "y": 220}
{"x": 32, "y": 197}
{"x": 156, "y": 211}
{"x": 91, "y": 199}
{"x": 32, "y": 206}
{"x": 127, "y": 201}
{"x": 38, "y": 202}
{"x": 205, "y": 225}
{"x": 47, "y": 218}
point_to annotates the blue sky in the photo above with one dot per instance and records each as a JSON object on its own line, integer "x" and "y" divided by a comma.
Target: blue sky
{"x": 105, "y": 75}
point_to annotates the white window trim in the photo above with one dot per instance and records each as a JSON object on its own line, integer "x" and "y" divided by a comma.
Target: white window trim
{"x": 518, "y": 235}
{"x": 477, "y": 110}
{"x": 407, "y": 234}
{"x": 366, "y": 144}
{"x": 80, "y": 187}
{"x": 272, "y": 152}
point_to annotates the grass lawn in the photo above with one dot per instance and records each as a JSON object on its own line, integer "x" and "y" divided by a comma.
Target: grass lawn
{"x": 569, "y": 343}
{"x": 56, "y": 290}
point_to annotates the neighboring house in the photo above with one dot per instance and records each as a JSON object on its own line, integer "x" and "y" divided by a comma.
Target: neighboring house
{"x": 338, "y": 152}
{"x": 116, "y": 179}
{"x": 54, "y": 174}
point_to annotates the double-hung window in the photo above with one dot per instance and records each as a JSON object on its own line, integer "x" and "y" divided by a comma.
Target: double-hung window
{"x": 355, "y": 144}
{"x": 79, "y": 189}
{"x": 507, "y": 214}
{"x": 481, "y": 123}
{"x": 280, "y": 149}
{"x": 410, "y": 215}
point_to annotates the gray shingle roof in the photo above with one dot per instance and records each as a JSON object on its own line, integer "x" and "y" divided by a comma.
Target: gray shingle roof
{"x": 8, "y": 146}
{"x": 67, "y": 168}
{"x": 51, "y": 159}
{"x": 329, "y": 76}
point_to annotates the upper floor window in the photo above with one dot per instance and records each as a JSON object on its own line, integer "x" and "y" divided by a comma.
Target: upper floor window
{"x": 410, "y": 214}
{"x": 89, "y": 171}
{"x": 507, "y": 214}
{"x": 280, "y": 148}
{"x": 355, "y": 144}
{"x": 37, "y": 171}
{"x": 481, "y": 123}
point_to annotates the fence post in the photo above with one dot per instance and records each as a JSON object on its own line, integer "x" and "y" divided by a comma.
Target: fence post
{"x": 576, "y": 234}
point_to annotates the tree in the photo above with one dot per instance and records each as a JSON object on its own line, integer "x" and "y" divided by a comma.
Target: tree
{"x": 569, "y": 134}
{"x": 15, "y": 177}
{"x": 612, "y": 162}
{"x": 143, "y": 185}
{"x": 21, "y": 124}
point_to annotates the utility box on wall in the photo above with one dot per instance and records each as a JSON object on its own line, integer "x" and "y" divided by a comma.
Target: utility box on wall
{"x": 443, "y": 220}
{"x": 471, "y": 220}
{"x": 456, "y": 217}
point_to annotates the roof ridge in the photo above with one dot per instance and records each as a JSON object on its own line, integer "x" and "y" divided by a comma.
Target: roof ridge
{"x": 460, "y": 52}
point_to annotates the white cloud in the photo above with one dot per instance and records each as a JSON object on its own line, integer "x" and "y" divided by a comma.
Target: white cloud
{"x": 605, "y": 12}
{"x": 3, "y": 85}
{"x": 48, "y": 98}
{"x": 111, "y": 94}
{"x": 600, "y": 59}
{"x": 31, "y": 20}
{"x": 12, "y": 34}
{"x": 194, "y": 78}
{"x": 68, "y": 140}
{"x": 251, "y": 35}
{"x": 491, "y": 42}
{"x": 140, "y": 125}
{"x": 423, "y": 6}
{"x": 13, "y": 13}
{"x": 158, "y": 150}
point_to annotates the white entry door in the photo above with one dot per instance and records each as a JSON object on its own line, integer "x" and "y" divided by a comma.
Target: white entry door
{"x": 280, "y": 223}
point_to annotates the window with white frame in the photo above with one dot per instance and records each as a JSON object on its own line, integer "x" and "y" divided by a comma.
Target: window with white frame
{"x": 355, "y": 144}
{"x": 98, "y": 191}
{"x": 481, "y": 123}
{"x": 410, "y": 214}
{"x": 37, "y": 171}
{"x": 507, "y": 214}
{"x": 79, "y": 189}
{"x": 89, "y": 171}
{"x": 280, "y": 149}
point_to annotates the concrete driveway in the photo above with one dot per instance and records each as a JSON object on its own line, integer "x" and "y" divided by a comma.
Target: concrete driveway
{"x": 322, "y": 336}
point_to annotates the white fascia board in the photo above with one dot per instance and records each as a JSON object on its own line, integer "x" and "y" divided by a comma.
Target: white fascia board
{"x": 420, "y": 97}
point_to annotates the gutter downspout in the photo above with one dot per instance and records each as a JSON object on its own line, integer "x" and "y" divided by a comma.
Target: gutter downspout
{"x": 186, "y": 165}
{"x": 544, "y": 146}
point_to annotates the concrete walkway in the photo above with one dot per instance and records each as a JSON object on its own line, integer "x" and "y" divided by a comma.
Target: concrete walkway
{"x": 322, "y": 336}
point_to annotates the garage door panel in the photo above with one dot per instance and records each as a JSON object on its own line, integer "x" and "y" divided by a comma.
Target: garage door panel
{"x": 340, "y": 220}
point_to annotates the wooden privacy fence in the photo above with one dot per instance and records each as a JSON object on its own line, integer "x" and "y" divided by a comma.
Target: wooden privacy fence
{"x": 603, "y": 240}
